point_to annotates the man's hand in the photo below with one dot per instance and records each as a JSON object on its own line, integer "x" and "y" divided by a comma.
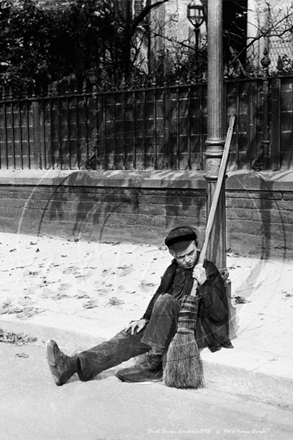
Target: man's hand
{"x": 136, "y": 325}
{"x": 199, "y": 273}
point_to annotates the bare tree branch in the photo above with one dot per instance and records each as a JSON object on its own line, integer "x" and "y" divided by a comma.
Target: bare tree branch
{"x": 143, "y": 14}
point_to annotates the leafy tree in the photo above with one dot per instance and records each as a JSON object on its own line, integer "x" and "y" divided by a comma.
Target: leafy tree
{"x": 42, "y": 45}
{"x": 92, "y": 39}
{"x": 104, "y": 41}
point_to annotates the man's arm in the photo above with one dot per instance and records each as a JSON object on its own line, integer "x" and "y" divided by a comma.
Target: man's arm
{"x": 213, "y": 294}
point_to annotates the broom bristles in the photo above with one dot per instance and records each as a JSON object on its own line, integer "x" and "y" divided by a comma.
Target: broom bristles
{"x": 184, "y": 367}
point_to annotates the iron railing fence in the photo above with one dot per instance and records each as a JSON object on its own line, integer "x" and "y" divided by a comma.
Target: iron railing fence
{"x": 154, "y": 128}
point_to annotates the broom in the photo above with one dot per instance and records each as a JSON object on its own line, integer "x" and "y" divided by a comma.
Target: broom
{"x": 184, "y": 367}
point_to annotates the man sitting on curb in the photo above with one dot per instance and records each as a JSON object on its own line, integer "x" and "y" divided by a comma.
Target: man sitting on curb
{"x": 153, "y": 333}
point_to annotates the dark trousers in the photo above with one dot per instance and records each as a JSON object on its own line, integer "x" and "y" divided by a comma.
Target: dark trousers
{"x": 157, "y": 334}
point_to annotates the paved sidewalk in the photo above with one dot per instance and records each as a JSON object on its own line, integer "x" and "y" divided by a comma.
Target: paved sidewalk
{"x": 81, "y": 293}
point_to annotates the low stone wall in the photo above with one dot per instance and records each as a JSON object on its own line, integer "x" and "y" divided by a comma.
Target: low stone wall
{"x": 141, "y": 206}
{"x": 260, "y": 213}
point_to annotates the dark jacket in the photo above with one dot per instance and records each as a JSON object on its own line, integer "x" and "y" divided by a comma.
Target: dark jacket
{"x": 212, "y": 328}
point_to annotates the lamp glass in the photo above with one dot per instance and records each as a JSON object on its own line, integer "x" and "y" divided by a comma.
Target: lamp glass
{"x": 195, "y": 14}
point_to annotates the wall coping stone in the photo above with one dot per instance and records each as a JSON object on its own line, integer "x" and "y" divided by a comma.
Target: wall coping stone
{"x": 236, "y": 180}
{"x": 260, "y": 181}
{"x": 126, "y": 179}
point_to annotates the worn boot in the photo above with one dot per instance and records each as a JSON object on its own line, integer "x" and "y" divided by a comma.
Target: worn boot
{"x": 149, "y": 370}
{"x": 61, "y": 366}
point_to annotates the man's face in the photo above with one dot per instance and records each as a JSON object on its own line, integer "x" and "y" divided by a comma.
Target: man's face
{"x": 186, "y": 258}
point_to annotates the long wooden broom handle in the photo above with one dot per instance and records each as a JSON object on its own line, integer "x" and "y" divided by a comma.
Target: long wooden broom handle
{"x": 216, "y": 196}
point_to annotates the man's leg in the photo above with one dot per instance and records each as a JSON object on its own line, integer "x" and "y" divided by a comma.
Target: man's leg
{"x": 89, "y": 363}
{"x": 120, "y": 348}
{"x": 163, "y": 323}
{"x": 158, "y": 335}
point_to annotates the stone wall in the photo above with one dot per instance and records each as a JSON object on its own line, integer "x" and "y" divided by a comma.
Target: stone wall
{"x": 260, "y": 213}
{"x": 141, "y": 206}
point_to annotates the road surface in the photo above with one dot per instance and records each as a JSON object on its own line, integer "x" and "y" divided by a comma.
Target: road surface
{"x": 34, "y": 408}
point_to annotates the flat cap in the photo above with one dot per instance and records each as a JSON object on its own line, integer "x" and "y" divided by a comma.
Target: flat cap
{"x": 180, "y": 238}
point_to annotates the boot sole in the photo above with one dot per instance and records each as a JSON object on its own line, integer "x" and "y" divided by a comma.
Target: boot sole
{"x": 50, "y": 353}
{"x": 124, "y": 376}
{"x": 51, "y": 347}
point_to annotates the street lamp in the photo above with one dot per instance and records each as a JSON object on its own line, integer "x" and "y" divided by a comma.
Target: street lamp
{"x": 196, "y": 16}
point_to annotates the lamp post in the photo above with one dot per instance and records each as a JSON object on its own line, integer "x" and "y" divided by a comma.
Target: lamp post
{"x": 215, "y": 145}
{"x": 196, "y": 16}
{"x": 215, "y": 130}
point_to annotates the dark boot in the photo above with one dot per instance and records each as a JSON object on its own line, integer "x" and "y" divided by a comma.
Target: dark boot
{"x": 149, "y": 370}
{"x": 61, "y": 366}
